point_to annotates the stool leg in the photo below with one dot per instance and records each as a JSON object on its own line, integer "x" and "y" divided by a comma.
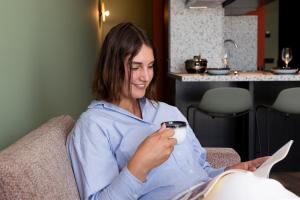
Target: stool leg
{"x": 257, "y": 135}
{"x": 194, "y": 120}
{"x": 286, "y": 124}
{"x": 259, "y": 128}
{"x": 192, "y": 123}
{"x": 244, "y": 143}
{"x": 268, "y": 133}
{"x": 188, "y": 116}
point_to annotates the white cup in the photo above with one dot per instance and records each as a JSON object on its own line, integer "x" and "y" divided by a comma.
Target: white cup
{"x": 179, "y": 130}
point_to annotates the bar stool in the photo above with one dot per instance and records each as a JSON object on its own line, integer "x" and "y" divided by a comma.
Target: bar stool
{"x": 286, "y": 103}
{"x": 223, "y": 102}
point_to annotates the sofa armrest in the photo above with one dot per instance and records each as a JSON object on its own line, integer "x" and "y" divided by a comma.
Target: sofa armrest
{"x": 37, "y": 166}
{"x": 221, "y": 157}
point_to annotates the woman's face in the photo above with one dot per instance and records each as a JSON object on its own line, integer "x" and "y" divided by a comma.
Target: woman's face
{"x": 141, "y": 73}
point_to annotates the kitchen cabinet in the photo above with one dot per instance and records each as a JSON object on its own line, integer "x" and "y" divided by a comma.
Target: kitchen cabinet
{"x": 232, "y": 7}
{"x": 242, "y": 7}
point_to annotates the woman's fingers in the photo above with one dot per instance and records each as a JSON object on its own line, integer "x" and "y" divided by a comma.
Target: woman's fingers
{"x": 252, "y": 169}
{"x": 172, "y": 141}
{"x": 250, "y": 165}
{"x": 259, "y": 161}
{"x": 162, "y": 127}
{"x": 166, "y": 132}
{"x": 254, "y": 164}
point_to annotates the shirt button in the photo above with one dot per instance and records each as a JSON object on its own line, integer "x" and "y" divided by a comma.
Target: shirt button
{"x": 191, "y": 171}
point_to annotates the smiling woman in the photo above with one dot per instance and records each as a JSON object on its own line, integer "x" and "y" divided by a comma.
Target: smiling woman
{"x": 118, "y": 65}
{"x": 120, "y": 147}
{"x": 138, "y": 74}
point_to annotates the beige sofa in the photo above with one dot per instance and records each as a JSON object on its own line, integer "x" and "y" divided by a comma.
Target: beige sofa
{"x": 37, "y": 167}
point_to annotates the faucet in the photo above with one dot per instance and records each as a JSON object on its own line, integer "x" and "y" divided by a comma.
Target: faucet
{"x": 227, "y": 52}
{"x": 231, "y": 41}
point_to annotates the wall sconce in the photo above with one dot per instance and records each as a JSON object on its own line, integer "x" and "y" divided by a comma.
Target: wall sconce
{"x": 103, "y": 14}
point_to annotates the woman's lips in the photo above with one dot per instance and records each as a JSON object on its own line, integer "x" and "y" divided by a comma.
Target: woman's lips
{"x": 140, "y": 86}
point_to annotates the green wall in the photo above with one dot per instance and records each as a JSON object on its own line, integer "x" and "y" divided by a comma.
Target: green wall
{"x": 47, "y": 53}
{"x": 48, "y": 50}
{"x": 136, "y": 11}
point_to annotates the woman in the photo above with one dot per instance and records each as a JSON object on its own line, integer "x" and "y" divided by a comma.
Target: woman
{"x": 118, "y": 147}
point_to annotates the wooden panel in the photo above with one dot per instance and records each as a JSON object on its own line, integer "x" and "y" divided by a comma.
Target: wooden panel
{"x": 160, "y": 38}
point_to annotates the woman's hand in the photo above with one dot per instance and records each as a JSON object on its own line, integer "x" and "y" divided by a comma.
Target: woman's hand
{"x": 152, "y": 152}
{"x": 250, "y": 165}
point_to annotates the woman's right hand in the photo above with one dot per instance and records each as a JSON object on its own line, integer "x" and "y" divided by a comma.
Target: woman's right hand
{"x": 152, "y": 152}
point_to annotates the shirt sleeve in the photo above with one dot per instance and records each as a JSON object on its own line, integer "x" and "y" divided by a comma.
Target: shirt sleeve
{"x": 212, "y": 172}
{"x": 95, "y": 167}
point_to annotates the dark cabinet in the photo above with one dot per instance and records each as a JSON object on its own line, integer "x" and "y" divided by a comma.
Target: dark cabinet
{"x": 242, "y": 7}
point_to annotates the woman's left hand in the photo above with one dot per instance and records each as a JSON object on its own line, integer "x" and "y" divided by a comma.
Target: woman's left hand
{"x": 250, "y": 165}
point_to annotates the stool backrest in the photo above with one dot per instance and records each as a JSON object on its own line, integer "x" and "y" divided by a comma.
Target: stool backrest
{"x": 288, "y": 101}
{"x": 226, "y": 100}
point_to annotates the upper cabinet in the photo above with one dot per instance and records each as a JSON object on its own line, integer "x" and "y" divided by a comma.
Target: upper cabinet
{"x": 203, "y": 3}
{"x": 231, "y": 7}
{"x": 242, "y": 7}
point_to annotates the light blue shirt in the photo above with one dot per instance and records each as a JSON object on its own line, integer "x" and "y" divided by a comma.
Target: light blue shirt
{"x": 105, "y": 138}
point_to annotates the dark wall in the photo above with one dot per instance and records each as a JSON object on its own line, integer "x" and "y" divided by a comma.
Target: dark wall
{"x": 289, "y": 33}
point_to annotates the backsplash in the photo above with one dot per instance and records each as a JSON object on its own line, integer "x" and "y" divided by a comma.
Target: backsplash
{"x": 194, "y": 31}
{"x": 243, "y": 30}
{"x": 202, "y": 31}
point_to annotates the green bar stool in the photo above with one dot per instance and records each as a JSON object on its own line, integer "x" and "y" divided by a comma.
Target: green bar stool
{"x": 286, "y": 103}
{"x": 222, "y": 102}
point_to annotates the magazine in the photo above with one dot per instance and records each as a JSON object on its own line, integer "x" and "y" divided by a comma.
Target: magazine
{"x": 201, "y": 190}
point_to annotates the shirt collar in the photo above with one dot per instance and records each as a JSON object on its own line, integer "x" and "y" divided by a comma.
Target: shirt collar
{"x": 106, "y": 105}
{"x": 103, "y": 103}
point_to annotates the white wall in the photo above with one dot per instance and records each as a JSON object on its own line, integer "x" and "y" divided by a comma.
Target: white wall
{"x": 193, "y": 32}
{"x": 202, "y": 31}
{"x": 243, "y": 30}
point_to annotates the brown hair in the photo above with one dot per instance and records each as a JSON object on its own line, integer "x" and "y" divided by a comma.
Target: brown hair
{"x": 123, "y": 40}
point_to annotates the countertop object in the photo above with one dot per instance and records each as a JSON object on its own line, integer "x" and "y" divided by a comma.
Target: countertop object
{"x": 218, "y": 71}
{"x": 238, "y": 76}
{"x": 284, "y": 70}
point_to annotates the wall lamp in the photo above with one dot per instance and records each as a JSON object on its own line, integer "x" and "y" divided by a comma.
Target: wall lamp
{"x": 103, "y": 13}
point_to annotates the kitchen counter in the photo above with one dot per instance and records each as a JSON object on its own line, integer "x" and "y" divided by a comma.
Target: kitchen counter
{"x": 187, "y": 89}
{"x": 241, "y": 76}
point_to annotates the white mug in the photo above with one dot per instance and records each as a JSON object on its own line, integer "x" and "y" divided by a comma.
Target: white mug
{"x": 179, "y": 130}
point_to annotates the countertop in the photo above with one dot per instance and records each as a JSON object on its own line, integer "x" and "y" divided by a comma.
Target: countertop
{"x": 240, "y": 76}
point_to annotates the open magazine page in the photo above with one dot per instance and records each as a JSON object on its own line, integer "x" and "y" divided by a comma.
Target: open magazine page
{"x": 265, "y": 168}
{"x": 201, "y": 190}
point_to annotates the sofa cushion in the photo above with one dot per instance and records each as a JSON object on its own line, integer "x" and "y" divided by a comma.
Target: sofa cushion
{"x": 37, "y": 166}
{"x": 222, "y": 156}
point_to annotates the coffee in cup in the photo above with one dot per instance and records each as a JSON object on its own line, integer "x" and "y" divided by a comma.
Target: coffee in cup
{"x": 179, "y": 130}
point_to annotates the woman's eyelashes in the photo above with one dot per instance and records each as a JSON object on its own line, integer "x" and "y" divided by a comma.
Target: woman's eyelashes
{"x": 136, "y": 67}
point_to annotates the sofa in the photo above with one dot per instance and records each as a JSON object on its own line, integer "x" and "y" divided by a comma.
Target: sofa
{"x": 37, "y": 166}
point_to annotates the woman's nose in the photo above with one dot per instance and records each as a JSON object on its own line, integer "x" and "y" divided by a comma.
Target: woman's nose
{"x": 145, "y": 74}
